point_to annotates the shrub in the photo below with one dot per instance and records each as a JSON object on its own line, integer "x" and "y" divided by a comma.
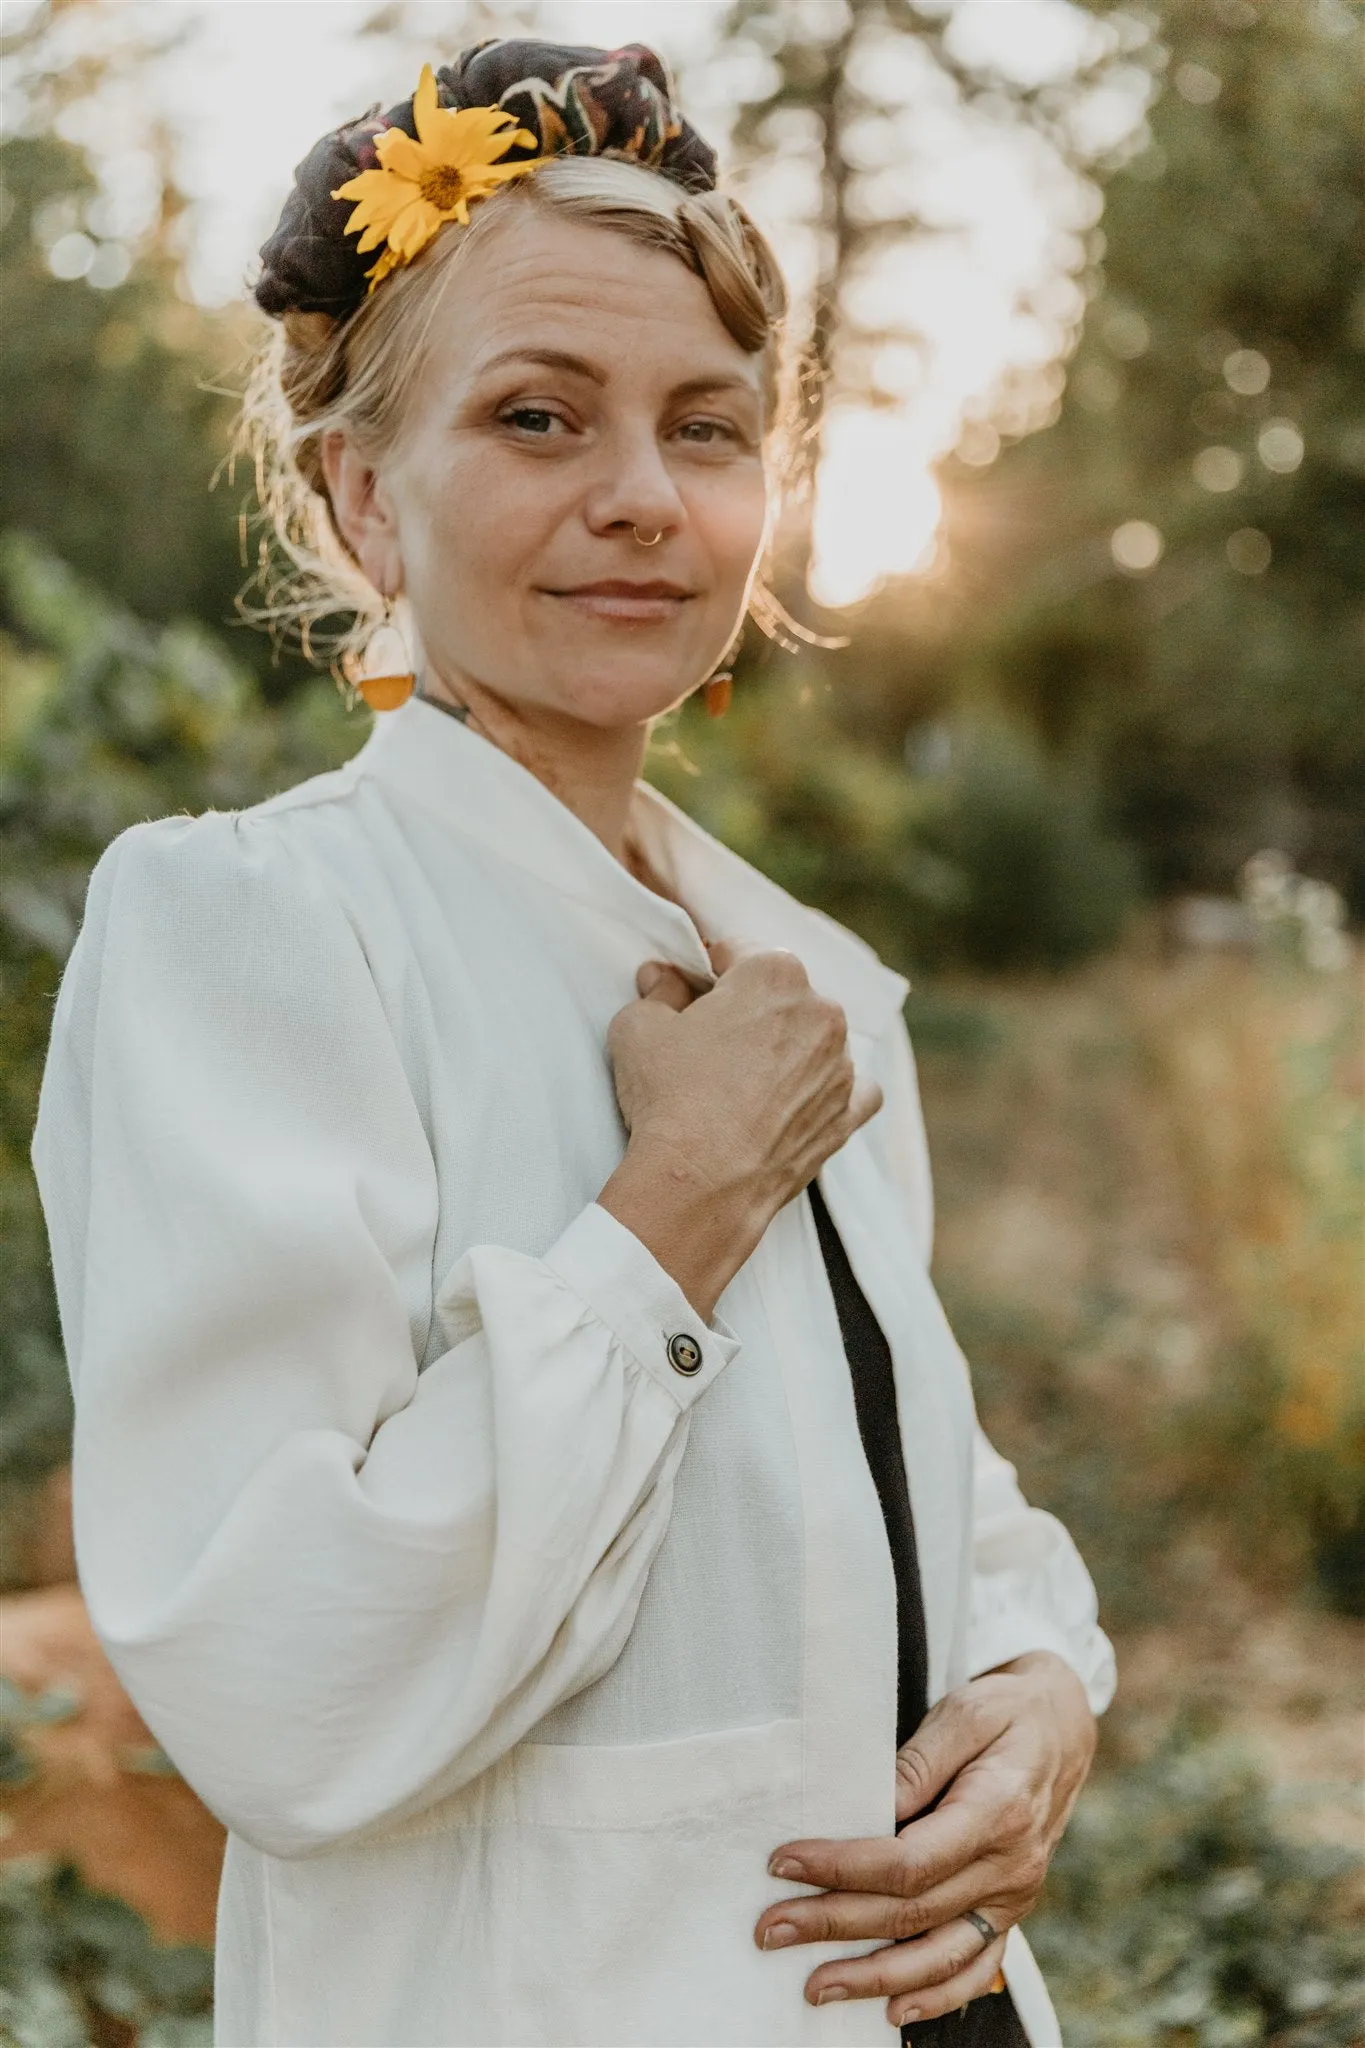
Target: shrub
{"x": 77, "y": 1966}
{"x": 993, "y": 860}
{"x": 1042, "y": 883}
{"x": 1180, "y": 1912}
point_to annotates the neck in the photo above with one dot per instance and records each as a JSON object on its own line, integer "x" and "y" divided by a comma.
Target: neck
{"x": 591, "y": 769}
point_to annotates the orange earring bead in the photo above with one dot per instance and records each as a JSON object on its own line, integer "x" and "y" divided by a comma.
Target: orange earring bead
{"x": 386, "y": 693}
{"x": 719, "y": 690}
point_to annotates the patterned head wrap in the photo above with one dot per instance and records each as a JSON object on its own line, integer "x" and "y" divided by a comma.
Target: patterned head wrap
{"x": 580, "y": 102}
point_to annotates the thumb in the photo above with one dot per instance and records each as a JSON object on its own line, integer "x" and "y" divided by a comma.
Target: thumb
{"x": 659, "y": 983}
{"x": 949, "y": 1738}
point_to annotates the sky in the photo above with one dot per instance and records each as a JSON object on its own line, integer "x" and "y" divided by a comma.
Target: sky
{"x": 244, "y": 87}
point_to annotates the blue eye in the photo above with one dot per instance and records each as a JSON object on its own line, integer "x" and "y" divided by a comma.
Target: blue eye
{"x": 531, "y": 419}
{"x": 710, "y": 429}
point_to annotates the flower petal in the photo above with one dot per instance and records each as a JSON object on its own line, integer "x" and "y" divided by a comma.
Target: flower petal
{"x": 379, "y": 207}
{"x": 490, "y": 175}
{"x": 387, "y": 262}
{"x": 472, "y": 135}
{"x": 360, "y": 186}
{"x": 424, "y": 105}
{"x": 414, "y": 228}
{"x": 402, "y": 156}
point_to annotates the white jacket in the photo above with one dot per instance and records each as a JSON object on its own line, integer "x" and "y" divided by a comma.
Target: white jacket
{"x": 506, "y": 1651}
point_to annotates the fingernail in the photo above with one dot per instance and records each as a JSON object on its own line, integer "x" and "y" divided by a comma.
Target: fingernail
{"x": 781, "y": 1934}
{"x": 998, "y": 1982}
{"x": 831, "y": 1992}
{"x": 912, "y": 2012}
{"x": 785, "y": 1866}
{"x": 648, "y": 977}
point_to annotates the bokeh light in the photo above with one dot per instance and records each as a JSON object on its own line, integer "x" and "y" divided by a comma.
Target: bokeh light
{"x": 1136, "y": 546}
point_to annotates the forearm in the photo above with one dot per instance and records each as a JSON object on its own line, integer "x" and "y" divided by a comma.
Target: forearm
{"x": 699, "y": 1229}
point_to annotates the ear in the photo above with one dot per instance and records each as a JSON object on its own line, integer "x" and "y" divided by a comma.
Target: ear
{"x": 363, "y": 512}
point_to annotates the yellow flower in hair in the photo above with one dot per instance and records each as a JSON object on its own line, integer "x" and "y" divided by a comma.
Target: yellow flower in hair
{"x": 420, "y": 185}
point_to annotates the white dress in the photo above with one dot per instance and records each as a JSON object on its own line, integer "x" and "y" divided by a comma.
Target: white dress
{"x": 506, "y": 1649}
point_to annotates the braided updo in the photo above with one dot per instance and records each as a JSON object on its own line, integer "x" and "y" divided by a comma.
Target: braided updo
{"x": 622, "y": 159}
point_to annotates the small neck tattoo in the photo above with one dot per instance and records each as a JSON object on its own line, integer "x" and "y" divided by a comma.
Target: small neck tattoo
{"x": 450, "y": 705}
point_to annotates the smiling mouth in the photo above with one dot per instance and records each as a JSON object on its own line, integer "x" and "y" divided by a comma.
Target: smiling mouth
{"x": 619, "y": 598}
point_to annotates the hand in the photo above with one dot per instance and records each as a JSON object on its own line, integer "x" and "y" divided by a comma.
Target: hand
{"x": 734, "y": 1100}
{"x": 1009, "y": 1753}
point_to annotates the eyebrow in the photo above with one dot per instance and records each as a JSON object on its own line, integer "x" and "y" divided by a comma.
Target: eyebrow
{"x": 579, "y": 366}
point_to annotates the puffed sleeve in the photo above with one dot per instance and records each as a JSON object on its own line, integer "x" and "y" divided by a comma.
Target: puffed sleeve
{"x": 335, "y": 1587}
{"x": 1030, "y": 1587}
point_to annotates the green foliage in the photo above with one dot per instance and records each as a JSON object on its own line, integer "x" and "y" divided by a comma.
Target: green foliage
{"x": 77, "y": 1966}
{"x": 1218, "y": 394}
{"x": 1042, "y": 884}
{"x": 106, "y": 721}
{"x": 1179, "y": 1911}
{"x": 829, "y": 820}
{"x": 997, "y": 861}
{"x": 111, "y": 427}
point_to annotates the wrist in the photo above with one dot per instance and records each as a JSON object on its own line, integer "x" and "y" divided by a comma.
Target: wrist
{"x": 699, "y": 1227}
{"x": 1050, "y": 1676}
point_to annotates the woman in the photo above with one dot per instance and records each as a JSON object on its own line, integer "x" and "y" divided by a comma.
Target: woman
{"x": 491, "y": 1221}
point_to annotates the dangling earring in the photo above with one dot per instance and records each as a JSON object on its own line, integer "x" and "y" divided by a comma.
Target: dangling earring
{"x": 385, "y": 692}
{"x": 719, "y": 690}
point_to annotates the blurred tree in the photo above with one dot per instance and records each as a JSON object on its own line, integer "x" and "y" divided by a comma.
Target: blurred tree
{"x": 845, "y": 87}
{"x": 117, "y": 410}
{"x": 110, "y": 426}
{"x": 1187, "y": 543}
{"x": 990, "y": 856}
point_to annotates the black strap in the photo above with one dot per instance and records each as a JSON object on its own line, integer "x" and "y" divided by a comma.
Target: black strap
{"x": 990, "y": 2022}
{"x": 874, "y": 1396}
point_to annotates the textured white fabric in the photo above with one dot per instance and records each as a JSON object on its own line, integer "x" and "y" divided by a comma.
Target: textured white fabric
{"x": 506, "y": 1652}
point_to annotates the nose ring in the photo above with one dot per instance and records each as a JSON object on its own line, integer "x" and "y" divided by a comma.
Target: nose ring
{"x": 653, "y": 539}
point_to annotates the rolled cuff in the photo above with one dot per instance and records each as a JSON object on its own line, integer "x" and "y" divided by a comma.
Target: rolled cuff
{"x": 626, "y": 1288}
{"x": 1007, "y": 1636}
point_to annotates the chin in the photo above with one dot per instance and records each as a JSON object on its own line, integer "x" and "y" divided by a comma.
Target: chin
{"x": 613, "y": 702}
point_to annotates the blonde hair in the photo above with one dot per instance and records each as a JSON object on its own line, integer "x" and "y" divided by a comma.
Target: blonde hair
{"x": 316, "y": 374}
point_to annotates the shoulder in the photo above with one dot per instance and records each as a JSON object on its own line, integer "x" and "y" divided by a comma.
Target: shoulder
{"x": 226, "y": 896}
{"x": 196, "y": 864}
{"x": 275, "y": 843}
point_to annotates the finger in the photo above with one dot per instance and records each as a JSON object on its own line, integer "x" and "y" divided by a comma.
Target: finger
{"x": 880, "y": 1916}
{"x": 952, "y": 1735}
{"x": 660, "y": 983}
{"x": 726, "y": 954}
{"x": 903, "y": 1866}
{"x": 863, "y": 1105}
{"x": 919, "y": 1971}
{"x": 840, "y": 1916}
{"x": 979, "y": 1979}
{"x": 944, "y": 1844}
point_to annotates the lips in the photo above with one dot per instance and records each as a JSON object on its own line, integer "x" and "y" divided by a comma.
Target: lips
{"x": 622, "y": 599}
{"x": 622, "y": 586}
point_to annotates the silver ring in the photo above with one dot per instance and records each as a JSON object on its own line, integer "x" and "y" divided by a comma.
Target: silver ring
{"x": 983, "y": 1927}
{"x": 653, "y": 541}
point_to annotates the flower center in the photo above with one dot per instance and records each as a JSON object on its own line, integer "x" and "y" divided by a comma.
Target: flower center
{"x": 440, "y": 186}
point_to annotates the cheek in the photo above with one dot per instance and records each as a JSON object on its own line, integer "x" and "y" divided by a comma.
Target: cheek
{"x": 472, "y": 525}
{"x": 730, "y": 513}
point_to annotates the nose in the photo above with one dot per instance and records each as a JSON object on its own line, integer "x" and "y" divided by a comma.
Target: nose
{"x": 634, "y": 488}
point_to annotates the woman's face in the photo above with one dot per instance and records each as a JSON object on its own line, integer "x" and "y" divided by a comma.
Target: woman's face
{"x": 576, "y": 386}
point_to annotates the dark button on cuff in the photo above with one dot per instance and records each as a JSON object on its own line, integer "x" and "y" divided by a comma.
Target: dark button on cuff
{"x": 684, "y": 1353}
